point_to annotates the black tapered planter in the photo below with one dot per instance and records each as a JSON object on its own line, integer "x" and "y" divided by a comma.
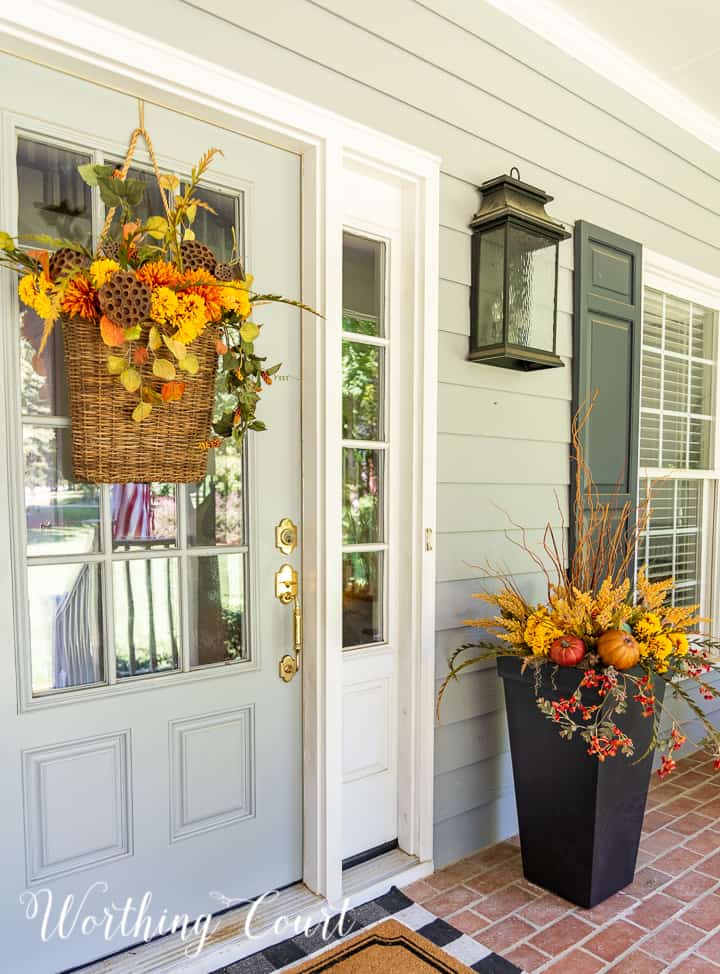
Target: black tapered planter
{"x": 580, "y": 819}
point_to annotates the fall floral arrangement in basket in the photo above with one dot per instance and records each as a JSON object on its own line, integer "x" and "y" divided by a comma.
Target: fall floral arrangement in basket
{"x": 621, "y": 634}
{"x": 146, "y": 318}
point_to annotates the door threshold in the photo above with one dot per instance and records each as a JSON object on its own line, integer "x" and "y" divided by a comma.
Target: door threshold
{"x": 230, "y": 941}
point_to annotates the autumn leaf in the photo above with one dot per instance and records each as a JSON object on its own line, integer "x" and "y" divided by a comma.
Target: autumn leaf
{"x": 149, "y": 395}
{"x": 176, "y": 347}
{"x": 172, "y": 391}
{"x": 169, "y": 181}
{"x": 130, "y": 229}
{"x": 131, "y": 379}
{"x": 140, "y": 356}
{"x": 164, "y": 369}
{"x": 141, "y": 411}
{"x": 220, "y": 346}
{"x": 189, "y": 234}
{"x": 156, "y": 227}
{"x": 43, "y": 258}
{"x": 112, "y": 334}
{"x": 189, "y": 364}
{"x": 249, "y": 331}
{"x": 154, "y": 339}
{"x": 116, "y": 364}
{"x": 133, "y": 333}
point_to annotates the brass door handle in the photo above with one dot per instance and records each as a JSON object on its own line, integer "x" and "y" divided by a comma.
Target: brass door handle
{"x": 286, "y": 590}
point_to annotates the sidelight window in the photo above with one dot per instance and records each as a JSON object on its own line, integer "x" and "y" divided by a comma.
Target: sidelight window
{"x": 365, "y": 348}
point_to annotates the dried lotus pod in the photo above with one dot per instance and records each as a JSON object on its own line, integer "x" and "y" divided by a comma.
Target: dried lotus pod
{"x": 64, "y": 261}
{"x": 125, "y": 299}
{"x": 197, "y": 256}
{"x": 230, "y": 272}
{"x": 110, "y": 249}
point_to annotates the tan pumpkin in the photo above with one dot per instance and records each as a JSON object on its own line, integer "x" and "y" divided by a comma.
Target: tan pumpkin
{"x": 619, "y": 649}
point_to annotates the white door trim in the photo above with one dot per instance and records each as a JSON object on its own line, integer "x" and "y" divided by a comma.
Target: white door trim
{"x": 64, "y": 37}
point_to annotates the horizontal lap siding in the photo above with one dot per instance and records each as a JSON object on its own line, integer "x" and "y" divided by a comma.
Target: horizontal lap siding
{"x": 473, "y": 86}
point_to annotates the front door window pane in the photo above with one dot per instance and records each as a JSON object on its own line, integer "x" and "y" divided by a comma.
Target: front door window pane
{"x": 143, "y": 516}
{"x": 43, "y": 381}
{"x": 215, "y": 505}
{"x": 65, "y": 626}
{"x": 147, "y": 626}
{"x": 62, "y": 515}
{"x": 217, "y": 609}
{"x": 52, "y": 197}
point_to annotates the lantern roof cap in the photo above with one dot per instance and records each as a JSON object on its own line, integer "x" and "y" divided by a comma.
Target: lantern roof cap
{"x": 507, "y": 196}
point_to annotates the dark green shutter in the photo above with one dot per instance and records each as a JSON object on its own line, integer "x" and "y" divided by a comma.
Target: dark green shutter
{"x": 606, "y": 358}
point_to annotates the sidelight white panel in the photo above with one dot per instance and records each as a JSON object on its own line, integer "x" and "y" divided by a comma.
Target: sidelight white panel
{"x": 366, "y": 705}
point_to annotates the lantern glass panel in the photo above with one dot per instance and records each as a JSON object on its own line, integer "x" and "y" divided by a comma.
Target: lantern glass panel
{"x": 531, "y": 288}
{"x": 488, "y": 328}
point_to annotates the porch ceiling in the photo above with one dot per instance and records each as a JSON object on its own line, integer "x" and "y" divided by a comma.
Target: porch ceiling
{"x": 679, "y": 43}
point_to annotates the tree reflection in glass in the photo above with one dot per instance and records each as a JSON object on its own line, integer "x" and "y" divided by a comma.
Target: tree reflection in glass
{"x": 362, "y": 501}
{"x": 362, "y": 384}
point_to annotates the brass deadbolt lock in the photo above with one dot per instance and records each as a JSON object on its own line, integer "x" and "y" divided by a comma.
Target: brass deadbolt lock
{"x": 286, "y": 535}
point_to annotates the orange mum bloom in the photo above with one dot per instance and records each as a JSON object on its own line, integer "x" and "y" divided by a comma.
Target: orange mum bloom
{"x": 205, "y": 286}
{"x": 80, "y": 299}
{"x": 158, "y": 273}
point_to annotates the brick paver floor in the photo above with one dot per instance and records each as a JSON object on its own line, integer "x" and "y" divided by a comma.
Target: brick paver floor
{"x": 667, "y": 920}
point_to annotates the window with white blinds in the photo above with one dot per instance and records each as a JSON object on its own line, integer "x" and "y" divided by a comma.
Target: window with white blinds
{"x": 677, "y": 438}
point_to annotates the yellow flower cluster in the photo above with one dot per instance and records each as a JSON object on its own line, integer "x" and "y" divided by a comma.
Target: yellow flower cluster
{"x": 541, "y": 631}
{"x": 181, "y": 310}
{"x": 656, "y": 643}
{"x": 37, "y": 292}
{"x": 101, "y": 270}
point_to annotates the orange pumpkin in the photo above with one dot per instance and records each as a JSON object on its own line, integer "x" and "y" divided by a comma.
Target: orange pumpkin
{"x": 619, "y": 649}
{"x": 567, "y": 650}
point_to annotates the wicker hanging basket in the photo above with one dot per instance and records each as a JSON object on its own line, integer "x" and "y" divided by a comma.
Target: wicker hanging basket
{"x": 107, "y": 445}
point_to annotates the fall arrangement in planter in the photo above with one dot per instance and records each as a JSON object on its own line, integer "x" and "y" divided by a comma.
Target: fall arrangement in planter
{"x": 147, "y": 320}
{"x": 586, "y": 674}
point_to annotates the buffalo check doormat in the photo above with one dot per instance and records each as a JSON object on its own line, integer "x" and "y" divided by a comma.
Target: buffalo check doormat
{"x": 416, "y": 941}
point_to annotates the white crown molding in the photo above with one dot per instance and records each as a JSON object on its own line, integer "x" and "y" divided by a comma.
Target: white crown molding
{"x": 556, "y": 25}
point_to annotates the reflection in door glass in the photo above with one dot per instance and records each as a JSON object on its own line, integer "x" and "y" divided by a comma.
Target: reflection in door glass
{"x": 362, "y": 501}
{"x": 145, "y": 596}
{"x": 363, "y": 382}
{"x": 365, "y": 449}
{"x": 217, "y": 609}
{"x": 52, "y": 198}
{"x": 65, "y": 628}
{"x": 214, "y": 229}
{"x": 215, "y": 504}
{"x": 43, "y": 377}
{"x": 363, "y": 285}
{"x": 62, "y": 515}
{"x": 143, "y": 516}
{"x": 362, "y": 598}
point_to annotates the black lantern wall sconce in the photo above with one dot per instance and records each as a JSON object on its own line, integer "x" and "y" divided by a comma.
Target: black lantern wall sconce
{"x": 513, "y": 297}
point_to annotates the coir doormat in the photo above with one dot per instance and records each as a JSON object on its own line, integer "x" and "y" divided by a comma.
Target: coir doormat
{"x": 387, "y": 948}
{"x": 424, "y": 944}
